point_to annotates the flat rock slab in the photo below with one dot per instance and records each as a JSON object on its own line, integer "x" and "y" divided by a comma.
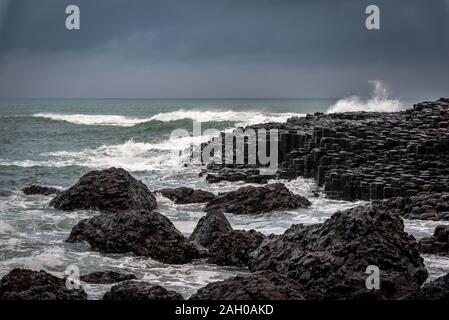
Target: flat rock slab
{"x": 105, "y": 277}
{"x": 137, "y": 290}
{"x": 253, "y": 200}
{"x": 184, "y": 195}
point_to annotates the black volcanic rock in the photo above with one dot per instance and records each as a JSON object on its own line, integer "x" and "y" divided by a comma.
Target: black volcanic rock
{"x": 209, "y": 228}
{"x": 140, "y": 232}
{"x": 437, "y": 289}
{"x": 137, "y": 290}
{"x": 184, "y": 195}
{"x": 438, "y": 243}
{"x": 257, "y": 286}
{"x": 330, "y": 259}
{"x": 105, "y": 277}
{"x": 36, "y": 189}
{"x": 356, "y": 155}
{"x": 251, "y": 200}
{"x": 23, "y": 284}
{"x": 233, "y": 248}
{"x": 423, "y": 206}
{"x": 111, "y": 190}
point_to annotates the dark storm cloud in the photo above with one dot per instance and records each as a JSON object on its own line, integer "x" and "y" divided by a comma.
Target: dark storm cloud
{"x": 157, "y": 40}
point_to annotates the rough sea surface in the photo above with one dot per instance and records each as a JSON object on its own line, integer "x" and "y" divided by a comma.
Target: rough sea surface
{"x": 53, "y": 142}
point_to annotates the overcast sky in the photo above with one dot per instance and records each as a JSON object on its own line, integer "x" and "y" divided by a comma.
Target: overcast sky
{"x": 226, "y": 48}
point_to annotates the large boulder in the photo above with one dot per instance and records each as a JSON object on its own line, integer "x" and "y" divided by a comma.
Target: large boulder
{"x": 257, "y": 286}
{"x": 105, "y": 277}
{"x": 23, "y": 284}
{"x": 250, "y": 200}
{"x": 112, "y": 190}
{"x": 137, "y": 290}
{"x": 438, "y": 243}
{"x": 233, "y": 248}
{"x": 36, "y": 189}
{"x": 209, "y": 228}
{"x": 330, "y": 259}
{"x": 140, "y": 232}
{"x": 184, "y": 195}
{"x": 437, "y": 289}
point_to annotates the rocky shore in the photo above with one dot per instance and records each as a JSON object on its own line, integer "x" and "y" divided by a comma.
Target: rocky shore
{"x": 397, "y": 161}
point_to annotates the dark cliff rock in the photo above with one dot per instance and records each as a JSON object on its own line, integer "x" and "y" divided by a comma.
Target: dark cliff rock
{"x": 437, "y": 289}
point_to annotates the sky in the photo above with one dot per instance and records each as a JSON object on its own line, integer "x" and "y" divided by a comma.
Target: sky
{"x": 223, "y": 48}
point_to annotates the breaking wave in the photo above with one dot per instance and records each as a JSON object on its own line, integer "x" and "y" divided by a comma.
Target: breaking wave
{"x": 379, "y": 102}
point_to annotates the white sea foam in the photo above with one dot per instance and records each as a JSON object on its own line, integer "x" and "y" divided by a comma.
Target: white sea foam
{"x": 379, "y": 102}
{"x": 6, "y": 228}
{"x": 240, "y": 118}
{"x": 90, "y": 119}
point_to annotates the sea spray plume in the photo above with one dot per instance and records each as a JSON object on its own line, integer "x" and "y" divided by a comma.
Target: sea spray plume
{"x": 379, "y": 101}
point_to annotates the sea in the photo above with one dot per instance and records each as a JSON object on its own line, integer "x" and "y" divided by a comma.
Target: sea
{"x": 53, "y": 142}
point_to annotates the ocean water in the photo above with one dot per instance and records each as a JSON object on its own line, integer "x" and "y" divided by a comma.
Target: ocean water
{"x": 55, "y": 141}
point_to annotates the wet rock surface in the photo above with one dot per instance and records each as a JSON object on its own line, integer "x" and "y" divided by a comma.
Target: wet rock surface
{"x": 36, "y": 189}
{"x": 253, "y": 200}
{"x": 437, "y": 289}
{"x": 136, "y": 290}
{"x": 140, "y": 232}
{"x": 438, "y": 243}
{"x": 105, "y": 277}
{"x": 330, "y": 259}
{"x": 23, "y": 284}
{"x": 184, "y": 195}
{"x": 209, "y": 228}
{"x": 361, "y": 155}
{"x": 257, "y": 286}
{"x": 112, "y": 190}
{"x": 233, "y": 248}
{"x": 424, "y": 206}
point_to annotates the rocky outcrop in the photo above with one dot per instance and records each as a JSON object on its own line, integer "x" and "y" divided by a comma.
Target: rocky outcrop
{"x": 257, "y": 286}
{"x": 437, "y": 289}
{"x": 330, "y": 259}
{"x": 23, "y": 284}
{"x": 136, "y": 290}
{"x": 438, "y": 243}
{"x": 424, "y": 206}
{"x": 140, "y": 232}
{"x": 233, "y": 248}
{"x": 112, "y": 190}
{"x": 36, "y": 189}
{"x": 251, "y": 200}
{"x": 184, "y": 195}
{"x": 105, "y": 277}
{"x": 360, "y": 155}
{"x": 209, "y": 228}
